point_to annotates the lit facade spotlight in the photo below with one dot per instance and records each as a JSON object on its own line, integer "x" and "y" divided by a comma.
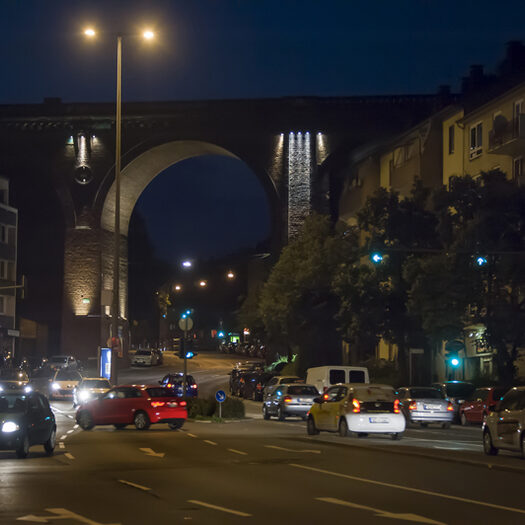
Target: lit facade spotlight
{"x": 89, "y": 32}
{"x": 187, "y": 264}
{"x": 230, "y": 275}
{"x": 202, "y": 284}
{"x": 148, "y": 34}
{"x": 177, "y": 288}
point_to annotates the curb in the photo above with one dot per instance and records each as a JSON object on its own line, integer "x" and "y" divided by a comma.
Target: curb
{"x": 405, "y": 452}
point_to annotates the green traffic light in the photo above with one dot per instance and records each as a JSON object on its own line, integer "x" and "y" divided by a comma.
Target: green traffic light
{"x": 376, "y": 257}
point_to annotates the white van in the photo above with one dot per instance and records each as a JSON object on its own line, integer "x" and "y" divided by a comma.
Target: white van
{"x": 324, "y": 377}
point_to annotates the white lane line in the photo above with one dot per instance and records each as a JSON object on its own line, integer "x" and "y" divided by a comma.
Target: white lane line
{"x": 311, "y": 451}
{"x": 75, "y": 427}
{"x": 209, "y": 442}
{"x": 216, "y": 507}
{"x": 69, "y": 456}
{"x": 135, "y": 485}
{"x": 238, "y": 452}
{"x": 63, "y": 437}
{"x": 191, "y": 435}
{"x": 61, "y": 444}
{"x": 409, "y": 489}
{"x": 383, "y": 513}
{"x": 70, "y": 431}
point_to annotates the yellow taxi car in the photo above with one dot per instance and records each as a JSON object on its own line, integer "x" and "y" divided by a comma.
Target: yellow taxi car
{"x": 357, "y": 408}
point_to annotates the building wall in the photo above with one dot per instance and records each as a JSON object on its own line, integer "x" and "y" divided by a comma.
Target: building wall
{"x": 453, "y": 157}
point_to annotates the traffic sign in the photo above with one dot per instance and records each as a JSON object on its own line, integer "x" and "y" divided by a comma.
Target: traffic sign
{"x": 186, "y": 324}
{"x": 220, "y": 396}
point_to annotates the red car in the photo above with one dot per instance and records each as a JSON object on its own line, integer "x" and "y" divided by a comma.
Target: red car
{"x": 476, "y": 408}
{"x": 141, "y": 405}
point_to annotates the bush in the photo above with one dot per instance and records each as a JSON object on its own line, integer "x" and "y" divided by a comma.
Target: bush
{"x": 232, "y": 408}
{"x": 290, "y": 369}
{"x": 383, "y": 372}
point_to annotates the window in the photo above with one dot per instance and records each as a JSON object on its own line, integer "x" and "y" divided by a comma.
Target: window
{"x": 476, "y": 140}
{"x": 337, "y": 376}
{"x": 517, "y": 167}
{"x": 4, "y": 269}
{"x": 511, "y": 400}
{"x": 517, "y": 112}
{"x": 3, "y": 233}
{"x": 451, "y": 140}
{"x": 2, "y": 304}
{"x": 357, "y": 376}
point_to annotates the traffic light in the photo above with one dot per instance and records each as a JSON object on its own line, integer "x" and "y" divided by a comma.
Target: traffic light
{"x": 189, "y": 354}
{"x": 376, "y": 257}
{"x": 221, "y": 334}
{"x": 481, "y": 260}
{"x": 455, "y": 361}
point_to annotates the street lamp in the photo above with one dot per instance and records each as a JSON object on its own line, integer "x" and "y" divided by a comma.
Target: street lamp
{"x": 178, "y": 287}
{"x": 187, "y": 264}
{"x": 202, "y": 284}
{"x": 90, "y": 32}
{"x": 230, "y": 275}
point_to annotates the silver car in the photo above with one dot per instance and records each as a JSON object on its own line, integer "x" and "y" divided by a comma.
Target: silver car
{"x": 504, "y": 428}
{"x": 289, "y": 400}
{"x": 425, "y": 405}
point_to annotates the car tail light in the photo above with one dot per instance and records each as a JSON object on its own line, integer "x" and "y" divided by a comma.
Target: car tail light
{"x": 450, "y": 407}
{"x": 156, "y": 404}
{"x": 182, "y": 403}
{"x": 412, "y": 406}
{"x": 287, "y": 399}
{"x": 396, "y": 406}
{"x": 258, "y": 386}
{"x": 169, "y": 385}
{"x": 326, "y": 397}
{"x": 194, "y": 386}
{"x": 356, "y": 406}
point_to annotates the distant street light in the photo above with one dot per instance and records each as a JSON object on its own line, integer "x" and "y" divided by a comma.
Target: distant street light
{"x": 202, "y": 284}
{"x": 90, "y": 32}
{"x": 148, "y": 34}
{"x": 187, "y": 264}
{"x": 178, "y": 287}
{"x": 230, "y": 275}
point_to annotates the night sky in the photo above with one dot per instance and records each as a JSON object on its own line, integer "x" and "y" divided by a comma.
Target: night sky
{"x": 240, "y": 49}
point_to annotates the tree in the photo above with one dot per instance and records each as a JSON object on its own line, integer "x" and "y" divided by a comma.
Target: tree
{"x": 297, "y": 303}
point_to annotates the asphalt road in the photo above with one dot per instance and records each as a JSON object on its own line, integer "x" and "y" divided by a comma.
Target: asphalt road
{"x": 257, "y": 471}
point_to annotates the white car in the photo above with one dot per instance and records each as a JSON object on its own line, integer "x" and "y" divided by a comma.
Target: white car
{"x": 89, "y": 388}
{"x": 358, "y": 408}
{"x": 63, "y": 383}
{"x": 144, "y": 358}
{"x": 504, "y": 428}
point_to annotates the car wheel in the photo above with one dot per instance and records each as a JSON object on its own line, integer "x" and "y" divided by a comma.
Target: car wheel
{"x": 445, "y": 425}
{"x": 23, "y": 450}
{"x": 141, "y": 421}
{"x": 343, "y": 427}
{"x": 280, "y": 414}
{"x": 266, "y": 414}
{"x": 463, "y": 419}
{"x": 488, "y": 447}
{"x": 397, "y": 436}
{"x": 311, "y": 429}
{"x": 120, "y": 426}
{"x": 176, "y": 425}
{"x": 49, "y": 445}
{"x": 85, "y": 420}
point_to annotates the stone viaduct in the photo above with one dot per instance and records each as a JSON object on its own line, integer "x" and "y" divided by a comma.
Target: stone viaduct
{"x": 68, "y": 149}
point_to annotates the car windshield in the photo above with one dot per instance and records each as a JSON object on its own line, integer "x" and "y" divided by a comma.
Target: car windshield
{"x": 12, "y": 374}
{"x": 58, "y": 359}
{"x": 375, "y": 393}
{"x": 13, "y": 403}
{"x": 425, "y": 393}
{"x": 143, "y": 352}
{"x": 302, "y": 391}
{"x": 160, "y": 392}
{"x": 461, "y": 390}
{"x": 95, "y": 383}
{"x": 67, "y": 375}
{"x": 498, "y": 393}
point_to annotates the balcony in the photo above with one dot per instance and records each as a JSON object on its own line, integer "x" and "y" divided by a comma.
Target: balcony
{"x": 507, "y": 137}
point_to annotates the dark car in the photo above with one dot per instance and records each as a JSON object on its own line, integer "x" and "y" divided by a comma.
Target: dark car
{"x": 253, "y": 385}
{"x": 26, "y": 419}
{"x": 141, "y": 405}
{"x": 175, "y": 382}
{"x": 477, "y": 407}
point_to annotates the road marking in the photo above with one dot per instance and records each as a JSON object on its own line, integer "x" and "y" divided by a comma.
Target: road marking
{"x": 409, "y": 489}
{"x": 70, "y": 431}
{"x": 238, "y": 452}
{"x": 382, "y": 513}
{"x": 61, "y": 444}
{"x": 69, "y": 456}
{"x": 75, "y": 427}
{"x": 191, "y": 435}
{"x": 135, "y": 485}
{"x": 60, "y": 514}
{"x": 216, "y": 507}
{"x": 63, "y": 437}
{"x": 209, "y": 442}
{"x": 150, "y": 452}
{"x": 311, "y": 451}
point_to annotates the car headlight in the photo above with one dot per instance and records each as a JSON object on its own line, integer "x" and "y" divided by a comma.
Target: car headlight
{"x": 83, "y": 395}
{"x": 1, "y": 389}
{"x": 28, "y": 389}
{"x": 10, "y": 426}
{"x": 55, "y": 386}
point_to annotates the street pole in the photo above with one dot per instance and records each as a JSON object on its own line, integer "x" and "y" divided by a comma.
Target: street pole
{"x": 116, "y": 255}
{"x": 185, "y": 382}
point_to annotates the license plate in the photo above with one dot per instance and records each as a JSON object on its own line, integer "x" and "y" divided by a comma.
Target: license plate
{"x": 378, "y": 420}
{"x": 432, "y": 407}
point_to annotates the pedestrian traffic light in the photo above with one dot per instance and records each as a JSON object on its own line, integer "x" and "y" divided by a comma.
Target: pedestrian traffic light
{"x": 376, "y": 257}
